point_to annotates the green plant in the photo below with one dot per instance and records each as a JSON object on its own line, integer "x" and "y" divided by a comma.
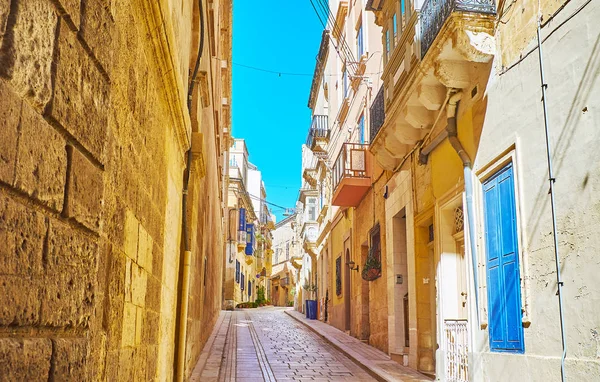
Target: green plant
{"x": 290, "y": 303}
{"x": 260, "y": 295}
{"x": 372, "y": 269}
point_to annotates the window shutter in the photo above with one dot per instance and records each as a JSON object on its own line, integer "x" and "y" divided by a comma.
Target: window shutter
{"x": 504, "y": 286}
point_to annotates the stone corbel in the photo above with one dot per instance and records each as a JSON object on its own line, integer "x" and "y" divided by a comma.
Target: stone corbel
{"x": 453, "y": 74}
{"x": 431, "y": 96}
{"x": 418, "y": 117}
{"x": 384, "y": 158}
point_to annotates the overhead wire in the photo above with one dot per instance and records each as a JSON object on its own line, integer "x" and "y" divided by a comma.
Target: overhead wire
{"x": 292, "y": 73}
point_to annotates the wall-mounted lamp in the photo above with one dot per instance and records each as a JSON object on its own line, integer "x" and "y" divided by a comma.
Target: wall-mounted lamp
{"x": 353, "y": 266}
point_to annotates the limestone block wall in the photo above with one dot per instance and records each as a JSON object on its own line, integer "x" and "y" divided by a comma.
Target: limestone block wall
{"x": 93, "y": 132}
{"x": 373, "y": 294}
{"x": 514, "y": 119}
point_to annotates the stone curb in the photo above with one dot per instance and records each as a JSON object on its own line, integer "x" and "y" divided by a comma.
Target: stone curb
{"x": 372, "y": 368}
{"x": 356, "y": 358}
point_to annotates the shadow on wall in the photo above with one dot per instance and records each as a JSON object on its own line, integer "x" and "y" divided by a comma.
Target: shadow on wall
{"x": 561, "y": 145}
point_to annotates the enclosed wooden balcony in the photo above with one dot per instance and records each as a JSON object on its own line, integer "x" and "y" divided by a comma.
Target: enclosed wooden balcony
{"x": 351, "y": 175}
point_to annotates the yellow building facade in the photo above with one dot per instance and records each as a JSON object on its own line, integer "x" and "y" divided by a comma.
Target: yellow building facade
{"x": 104, "y": 277}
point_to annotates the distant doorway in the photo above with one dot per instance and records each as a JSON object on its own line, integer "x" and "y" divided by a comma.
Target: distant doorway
{"x": 347, "y": 289}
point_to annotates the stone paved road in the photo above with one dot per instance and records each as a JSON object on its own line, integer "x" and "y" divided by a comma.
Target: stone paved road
{"x": 267, "y": 345}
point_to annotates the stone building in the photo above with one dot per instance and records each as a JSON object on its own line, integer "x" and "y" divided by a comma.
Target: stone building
{"x": 344, "y": 223}
{"x": 101, "y": 277}
{"x": 283, "y": 275}
{"x": 467, "y": 210}
{"x": 249, "y": 239}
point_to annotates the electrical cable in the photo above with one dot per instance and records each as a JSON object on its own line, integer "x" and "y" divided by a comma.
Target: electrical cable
{"x": 280, "y": 73}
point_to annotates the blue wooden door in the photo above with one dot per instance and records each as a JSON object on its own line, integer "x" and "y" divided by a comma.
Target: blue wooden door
{"x": 503, "y": 275}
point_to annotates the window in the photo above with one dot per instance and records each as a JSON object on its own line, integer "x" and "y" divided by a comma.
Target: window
{"x": 287, "y": 250}
{"x": 249, "y": 288}
{"x": 361, "y": 129}
{"x": 338, "y": 276}
{"x": 376, "y": 243}
{"x": 395, "y": 27}
{"x": 387, "y": 43}
{"x": 503, "y": 274}
{"x": 345, "y": 79}
{"x": 360, "y": 48}
{"x": 237, "y": 271}
{"x": 242, "y": 282}
{"x": 311, "y": 209}
{"x": 403, "y": 10}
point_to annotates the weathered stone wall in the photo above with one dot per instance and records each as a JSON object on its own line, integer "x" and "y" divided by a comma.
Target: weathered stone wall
{"x": 92, "y": 142}
{"x": 370, "y": 297}
{"x": 514, "y": 118}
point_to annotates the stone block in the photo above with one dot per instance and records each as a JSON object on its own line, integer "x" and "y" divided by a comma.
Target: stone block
{"x": 151, "y": 362}
{"x": 10, "y": 111}
{"x": 19, "y": 301}
{"x": 22, "y": 233}
{"x": 128, "y": 287}
{"x": 112, "y": 373}
{"x": 71, "y": 10}
{"x": 126, "y": 364}
{"x": 103, "y": 259}
{"x": 41, "y": 168}
{"x": 145, "y": 246}
{"x": 116, "y": 274}
{"x": 67, "y": 299}
{"x": 129, "y": 320}
{"x": 139, "y": 281}
{"x": 26, "y": 54}
{"x": 81, "y": 95}
{"x": 139, "y": 360}
{"x": 85, "y": 191}
{"x": 131, "y": 240}
{"x": 4, "y": 11}
{"x": 139, "y": 326}
{"x": 153, "y": 293}
{"x": 70, "y": 359}
{"x": 113, "y": 322}
{"x": 97, "y": 26}
{"x": 24, "y": 359}
{"x": 70, "y": 251}
{"x": 151, "y": 326}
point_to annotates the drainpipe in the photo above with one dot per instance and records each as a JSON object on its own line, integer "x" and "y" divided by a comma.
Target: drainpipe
{"x": 551, "y": 180}
{"x": 187, "y": 253}
{"x": 452, "y": 131}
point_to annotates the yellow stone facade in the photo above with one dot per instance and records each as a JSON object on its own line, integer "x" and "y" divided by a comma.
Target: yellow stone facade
{"x": 91, "y": 219}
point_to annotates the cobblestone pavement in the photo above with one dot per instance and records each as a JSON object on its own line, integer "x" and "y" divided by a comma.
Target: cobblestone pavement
{"x": 267, "y": 345}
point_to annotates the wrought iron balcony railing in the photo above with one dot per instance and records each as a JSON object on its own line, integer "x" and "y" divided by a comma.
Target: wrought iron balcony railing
{"x": 319, "y": 128}
{"x": 377, "y": 114}
{"x": 350, "y": 163}
{"x": 435, "y": 13}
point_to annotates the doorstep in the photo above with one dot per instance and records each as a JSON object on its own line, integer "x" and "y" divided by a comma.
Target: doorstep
{"x": 372, "y": 360}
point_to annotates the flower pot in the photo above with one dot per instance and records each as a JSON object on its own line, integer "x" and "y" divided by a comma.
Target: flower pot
{"x": 371, "y": 274}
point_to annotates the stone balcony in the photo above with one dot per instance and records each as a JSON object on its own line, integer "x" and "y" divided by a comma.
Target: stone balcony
{"x": 449, "y": 44}
{"x": 351, "y": 175}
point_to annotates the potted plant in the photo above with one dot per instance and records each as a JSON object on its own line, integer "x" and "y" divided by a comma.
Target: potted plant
{"x": 372, "y": 269}
{"x": 311, "y": 305}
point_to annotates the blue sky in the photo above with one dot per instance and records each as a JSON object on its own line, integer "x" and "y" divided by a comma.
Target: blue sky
{"x": 270, "y": 110}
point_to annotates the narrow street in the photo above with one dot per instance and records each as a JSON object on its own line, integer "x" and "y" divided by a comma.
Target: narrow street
{"x": 266, "y": 344}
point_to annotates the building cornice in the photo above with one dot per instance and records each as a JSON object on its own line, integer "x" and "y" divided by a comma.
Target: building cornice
{"x": 160, "y": 40}
{"x": 319, "y": 69}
